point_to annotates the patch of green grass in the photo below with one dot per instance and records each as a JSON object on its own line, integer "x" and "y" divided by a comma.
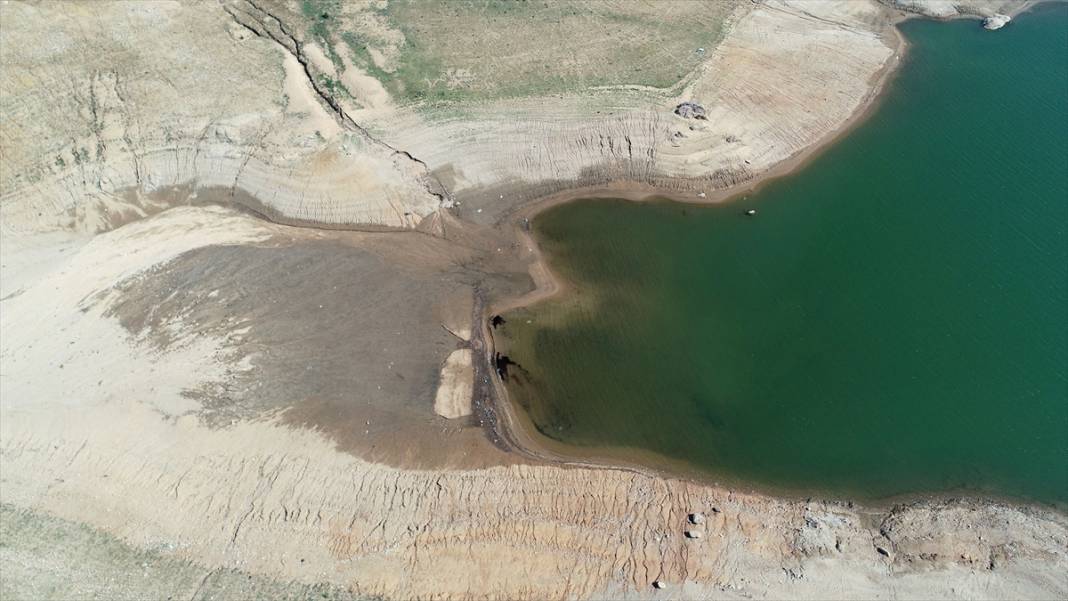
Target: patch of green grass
{"x": 470, "y": 50}
{"x": 322, "y": 17}
{"x": 515, "y": 49}
{"x": 331, "y": 85}
{"x": 361, "y": 56}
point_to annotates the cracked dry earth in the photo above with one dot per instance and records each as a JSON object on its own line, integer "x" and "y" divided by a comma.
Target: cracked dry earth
{"x": 229, "y": 294}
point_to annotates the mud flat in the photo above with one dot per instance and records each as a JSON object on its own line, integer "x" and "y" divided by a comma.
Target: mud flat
{"x": 212, "y": 367}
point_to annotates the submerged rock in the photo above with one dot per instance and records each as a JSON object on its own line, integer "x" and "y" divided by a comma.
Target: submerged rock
{"x": 997, "y": 21}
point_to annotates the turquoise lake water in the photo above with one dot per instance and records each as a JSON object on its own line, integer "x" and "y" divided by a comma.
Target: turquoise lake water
{"x": 893, "y": 321}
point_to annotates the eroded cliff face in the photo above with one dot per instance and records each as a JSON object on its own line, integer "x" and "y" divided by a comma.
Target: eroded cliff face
{"x": 105, "y": 103}
{"x": 203, "y": 366}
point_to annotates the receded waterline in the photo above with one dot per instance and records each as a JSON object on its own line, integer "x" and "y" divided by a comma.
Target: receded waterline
{"x": 892, "y": 321}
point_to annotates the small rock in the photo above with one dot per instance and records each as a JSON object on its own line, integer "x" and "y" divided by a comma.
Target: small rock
{"x": 697, "y": 518}
{"x": 690, "y": 110}
{"x": 694, "y": 534}
{"x": 659, "y": 584}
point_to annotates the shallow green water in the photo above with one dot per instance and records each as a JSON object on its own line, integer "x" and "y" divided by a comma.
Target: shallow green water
{"x": 895, "y": 319}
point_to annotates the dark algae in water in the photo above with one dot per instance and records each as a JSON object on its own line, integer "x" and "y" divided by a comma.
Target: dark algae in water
{"x": 894, "y": 320}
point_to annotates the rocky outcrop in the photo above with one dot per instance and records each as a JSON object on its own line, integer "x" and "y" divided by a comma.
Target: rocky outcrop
{"x": 690, "y": 110}
{"x": 947, "y": 9}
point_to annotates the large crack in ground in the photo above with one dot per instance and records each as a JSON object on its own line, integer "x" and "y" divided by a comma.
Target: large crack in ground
{"x": 264, "y": 24}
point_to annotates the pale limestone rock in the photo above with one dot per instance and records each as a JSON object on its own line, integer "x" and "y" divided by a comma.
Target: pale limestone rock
{"x": 453, "y": 398}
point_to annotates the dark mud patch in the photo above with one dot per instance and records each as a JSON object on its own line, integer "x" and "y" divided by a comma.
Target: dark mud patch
{"x": 340, "y": 338}
{"x": 501, "y": 363}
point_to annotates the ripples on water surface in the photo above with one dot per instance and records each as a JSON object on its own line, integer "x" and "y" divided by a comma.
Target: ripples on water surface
{"x": 894, "y": 320}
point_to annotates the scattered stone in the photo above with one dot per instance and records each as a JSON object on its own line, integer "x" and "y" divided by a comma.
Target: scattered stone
{"x": 690, "y": 110}
{"x": 997, "y": 21}
{"x": 697, "y": 518}
{"x": 694, "y": 534}
{"x": 659, "y": 584}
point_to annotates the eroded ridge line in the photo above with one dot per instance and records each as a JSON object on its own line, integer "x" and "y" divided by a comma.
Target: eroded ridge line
{"x": 262, "y": 23}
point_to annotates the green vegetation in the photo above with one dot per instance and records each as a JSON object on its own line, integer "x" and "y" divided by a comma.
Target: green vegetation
{"x": 321, "y": 17}
{"x": 318, "y": 14}
{"x": 466, "y": 50}
{"x": 332, "y": 85}
{"x": 361, "y": 56}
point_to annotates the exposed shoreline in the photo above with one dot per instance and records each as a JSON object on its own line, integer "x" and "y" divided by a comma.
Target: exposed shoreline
{"x": 520, "y": 432}
{"x": 222, "y": 342}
